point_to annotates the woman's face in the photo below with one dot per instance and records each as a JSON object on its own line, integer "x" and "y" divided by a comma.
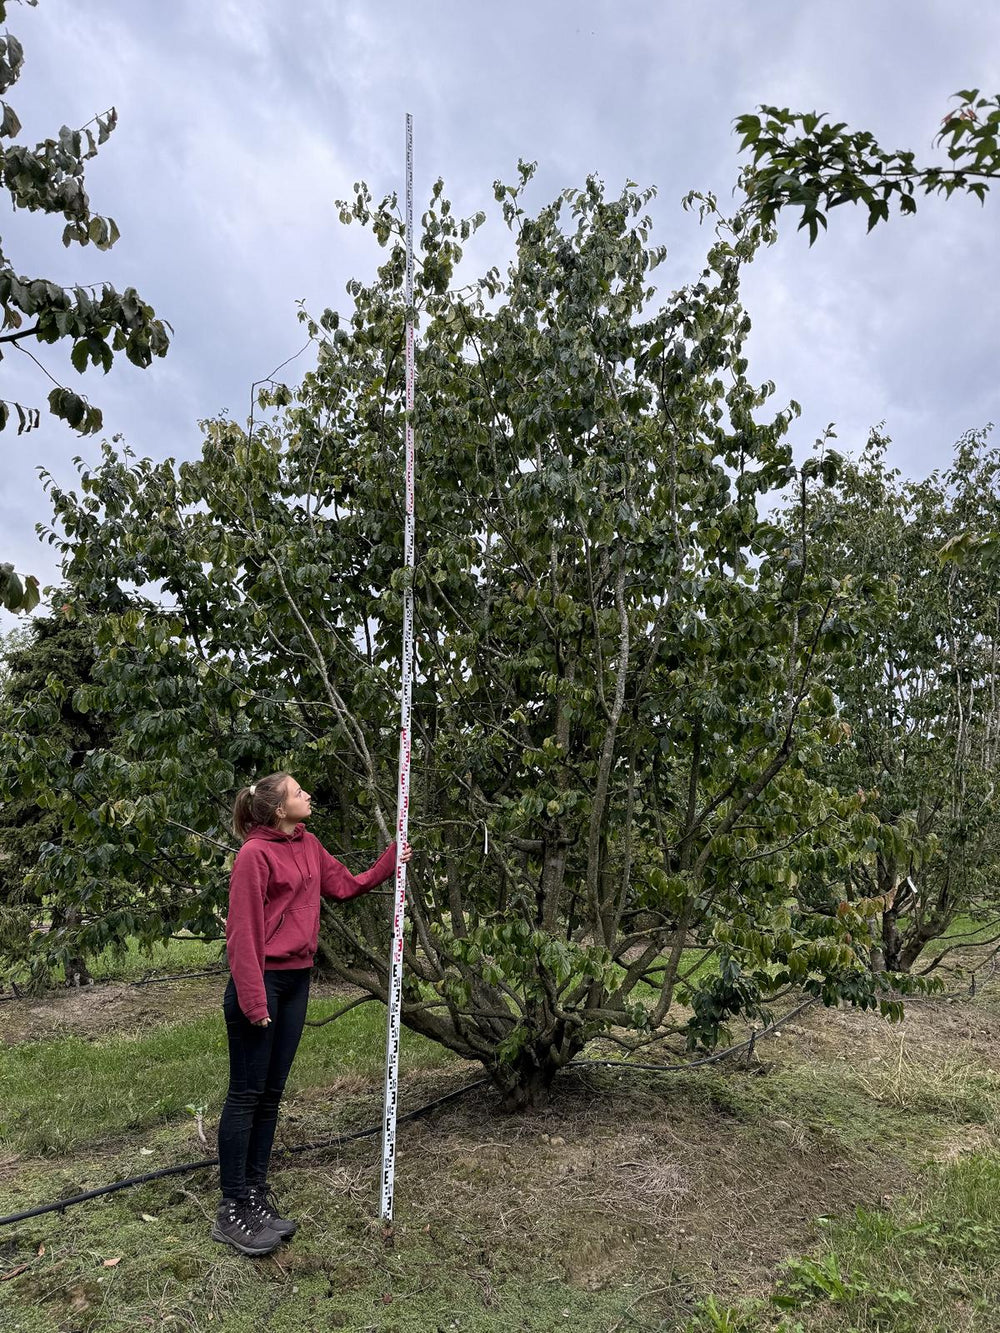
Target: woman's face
{"x": 296, "y": 804}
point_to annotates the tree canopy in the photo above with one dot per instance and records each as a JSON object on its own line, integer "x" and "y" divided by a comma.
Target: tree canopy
{"x": 43, "y": 664}
{"x": 621, "y": 711}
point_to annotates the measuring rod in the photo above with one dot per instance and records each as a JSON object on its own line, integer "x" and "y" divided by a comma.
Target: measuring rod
{"x": 395, "y": 997}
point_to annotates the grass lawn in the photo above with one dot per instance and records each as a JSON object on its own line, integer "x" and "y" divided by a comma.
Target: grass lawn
{"x": 930, "y": 1263}
{"x": 174, "y": 955}
{"x": 134, "y": 961}
{"x": 70, "y": 1092}
{"x": 844, "y": 1181}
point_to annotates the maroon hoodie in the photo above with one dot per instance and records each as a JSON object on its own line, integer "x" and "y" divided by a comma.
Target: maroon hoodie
{"x": 274, "y": 892}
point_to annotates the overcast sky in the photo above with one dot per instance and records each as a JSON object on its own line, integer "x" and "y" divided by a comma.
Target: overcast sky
{"x": 241, "y": 121}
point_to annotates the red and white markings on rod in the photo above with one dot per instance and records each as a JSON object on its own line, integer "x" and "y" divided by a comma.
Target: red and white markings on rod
{"x": 403, "y": 791}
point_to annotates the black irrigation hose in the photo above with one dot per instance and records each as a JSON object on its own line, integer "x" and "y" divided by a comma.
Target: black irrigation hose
{"x": 747, "y": 1046}
{"x": 185, "y": 1167}
{"x": 180, "y": 976}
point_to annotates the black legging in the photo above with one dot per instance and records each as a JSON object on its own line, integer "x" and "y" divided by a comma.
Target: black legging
{"x": 259, "y": 1061}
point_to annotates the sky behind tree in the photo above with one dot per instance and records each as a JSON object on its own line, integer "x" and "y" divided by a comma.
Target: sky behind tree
{"x": 241, "y": 123}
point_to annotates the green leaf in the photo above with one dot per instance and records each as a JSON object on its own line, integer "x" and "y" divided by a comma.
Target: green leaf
{"x": 31, "y": 594}
{"x": 10, "y": 126}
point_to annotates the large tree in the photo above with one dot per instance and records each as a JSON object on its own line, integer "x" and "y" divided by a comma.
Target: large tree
{"x": 620, "y": 711}
{"x": 97, "y": 320}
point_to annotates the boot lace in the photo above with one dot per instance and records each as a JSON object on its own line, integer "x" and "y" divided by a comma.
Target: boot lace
{"x": 238, "y": 1216}
{"x": 264, "y": 1203}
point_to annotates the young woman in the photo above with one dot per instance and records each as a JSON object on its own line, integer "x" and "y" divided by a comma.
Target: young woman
{"x": 272, "y": 931}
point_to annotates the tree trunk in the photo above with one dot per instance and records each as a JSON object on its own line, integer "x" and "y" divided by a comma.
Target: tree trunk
{"x": 892, "y": 942}
{"x": 913, "y": 944}
{"x": 526, "y": 1081}
{"x": 77, "y": 971}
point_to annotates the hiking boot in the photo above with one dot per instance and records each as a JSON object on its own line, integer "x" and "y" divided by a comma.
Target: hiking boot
{"x": 237, "y": 1226}
{"x": 262, "y": 1207}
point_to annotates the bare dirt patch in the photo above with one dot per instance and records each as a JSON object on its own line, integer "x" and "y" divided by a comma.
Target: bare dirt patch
{"x": 623, "y": 1183}
{"x": 116, "y": 1007}
{"x": 95, "y": 1011}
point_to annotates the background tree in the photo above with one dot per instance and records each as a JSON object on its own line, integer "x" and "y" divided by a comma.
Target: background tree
{"x": 803, "y": 160}
{"x": 42, "y": 667}
{"x": 620, "y": 710}
{"x": 912, "y": 686}
{"x": 920, "y": 689}
{"x": 98, "y": 320}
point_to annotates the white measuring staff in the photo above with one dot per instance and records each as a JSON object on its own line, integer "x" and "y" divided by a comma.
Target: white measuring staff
{"x": 395, "y": 997}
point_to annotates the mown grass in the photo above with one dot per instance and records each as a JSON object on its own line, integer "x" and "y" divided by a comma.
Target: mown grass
{"x": 497, "y": 1229}
{"x": 136, "y": 961}
{"x": 968, "y": 930}
{"x": 132, "y": 960}
{"x": 455, "y": 1263}
{"x": 478, "y": 1246}
{"x": 902, "y": 1105}
{"x": 339, "y": 1273}
{"x": 928, "y": 1264}
{"x": 63, "y": 1093}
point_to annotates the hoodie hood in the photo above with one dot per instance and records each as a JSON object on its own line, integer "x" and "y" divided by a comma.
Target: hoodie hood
{"x": 275, "y": 834}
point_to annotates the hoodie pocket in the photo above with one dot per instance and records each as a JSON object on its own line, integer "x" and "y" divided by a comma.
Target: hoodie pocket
{"x": 294, "y": 935}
